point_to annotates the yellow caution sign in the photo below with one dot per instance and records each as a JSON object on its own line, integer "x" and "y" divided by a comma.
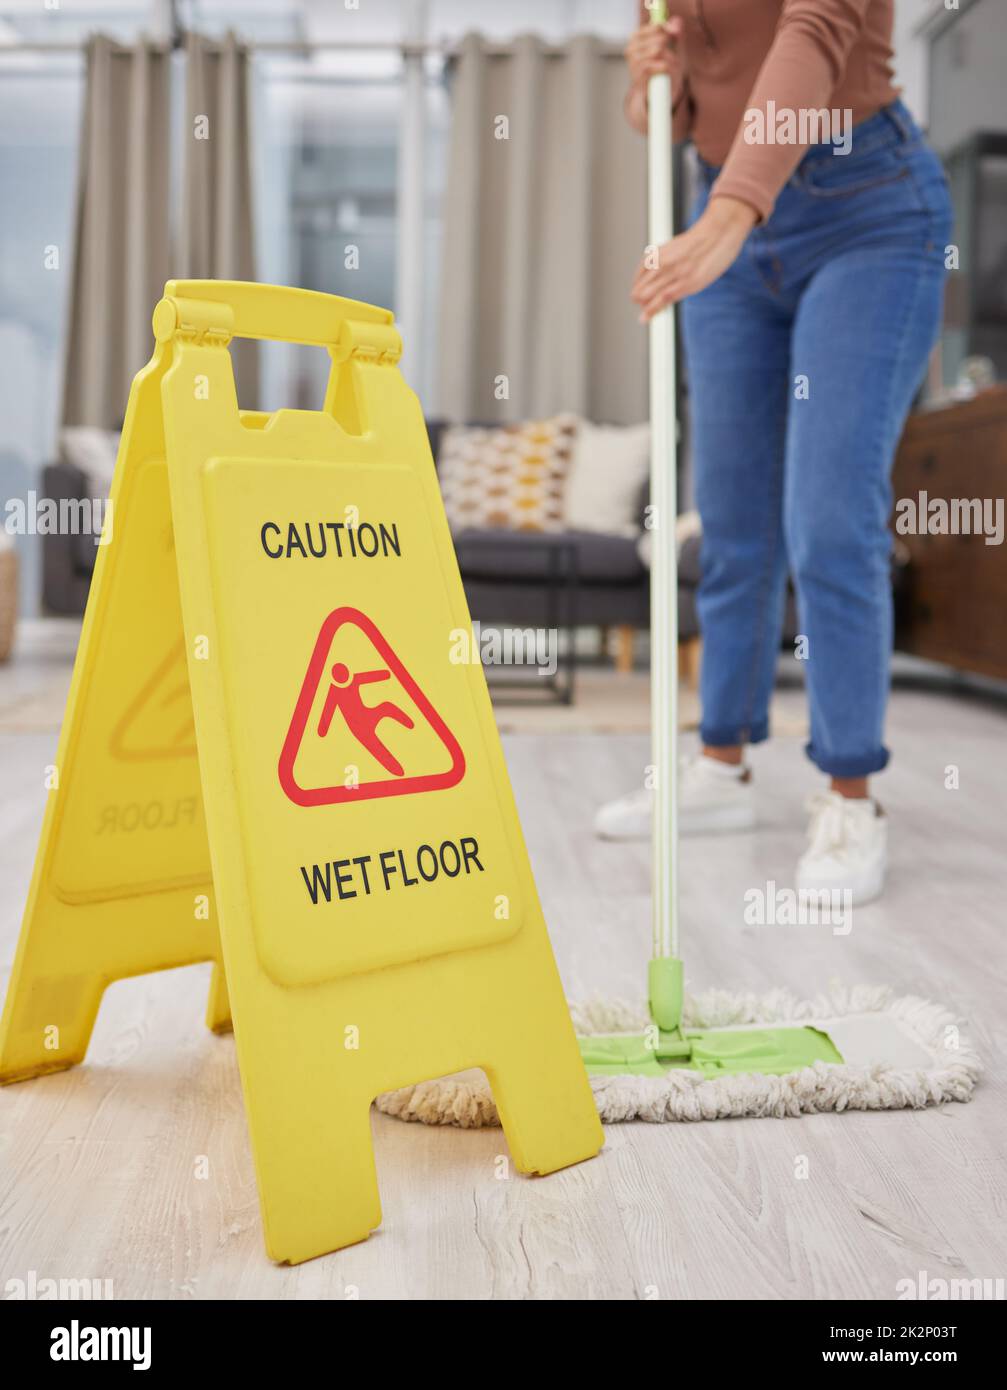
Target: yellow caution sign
{"x": 269, "y": 682}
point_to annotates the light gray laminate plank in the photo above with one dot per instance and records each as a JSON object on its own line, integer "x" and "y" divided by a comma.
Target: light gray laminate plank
{"x": 98, "y": 1166}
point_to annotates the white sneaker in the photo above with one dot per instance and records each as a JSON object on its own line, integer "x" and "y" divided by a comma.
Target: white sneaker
{"x": 847, "y": 847}
{"x": 712, "y": 797}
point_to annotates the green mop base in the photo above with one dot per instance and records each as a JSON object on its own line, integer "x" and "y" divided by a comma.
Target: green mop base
{"x": 713, "y": 1051}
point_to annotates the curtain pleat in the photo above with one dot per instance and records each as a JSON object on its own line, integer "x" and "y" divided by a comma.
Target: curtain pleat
{"x": 463, "y": 252}
{"x": 569, "y": 246}
{"x": 543, "y": 232}
{"x": 217, "y": 235}
{"x": 121, "y": 255}
{"x": 520, "y": 90}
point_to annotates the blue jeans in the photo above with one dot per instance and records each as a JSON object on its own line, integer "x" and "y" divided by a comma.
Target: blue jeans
{"x": 803, "y": 360}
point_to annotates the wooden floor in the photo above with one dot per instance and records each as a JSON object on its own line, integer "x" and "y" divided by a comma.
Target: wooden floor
{"x": 97, "y": 1165}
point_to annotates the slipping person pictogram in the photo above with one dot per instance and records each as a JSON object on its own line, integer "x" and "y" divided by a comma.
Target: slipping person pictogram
{"x": 340, "y": 686}
{"x": 362, "y": 720}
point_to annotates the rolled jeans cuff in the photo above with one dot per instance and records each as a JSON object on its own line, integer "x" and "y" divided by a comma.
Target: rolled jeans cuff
{"x": 861, "y": 766}
{"x": 725, "y": 737}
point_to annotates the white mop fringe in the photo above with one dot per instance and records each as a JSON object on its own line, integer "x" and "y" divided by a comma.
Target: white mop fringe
{"x": 466, "y": 1102}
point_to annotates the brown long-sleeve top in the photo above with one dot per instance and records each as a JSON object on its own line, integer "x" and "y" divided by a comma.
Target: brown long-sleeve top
{"x": 769, "y": 56}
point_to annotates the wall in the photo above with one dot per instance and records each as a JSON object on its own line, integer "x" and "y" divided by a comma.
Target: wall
{"x": 969, "y": 87}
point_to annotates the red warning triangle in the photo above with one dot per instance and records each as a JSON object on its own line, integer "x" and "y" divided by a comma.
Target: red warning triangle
{"x": 371, "y": 707}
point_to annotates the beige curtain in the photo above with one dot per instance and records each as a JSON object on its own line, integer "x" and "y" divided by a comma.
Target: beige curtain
{"x": 121, "y": 256}
{"x": 543, "y": 231}
{"x": 216, "y": 236}
{"x": 124, "y": 251}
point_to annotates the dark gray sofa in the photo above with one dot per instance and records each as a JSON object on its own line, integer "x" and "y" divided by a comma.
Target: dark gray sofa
{"x": 506, "y": 574}
{"x": 67, "y": 561}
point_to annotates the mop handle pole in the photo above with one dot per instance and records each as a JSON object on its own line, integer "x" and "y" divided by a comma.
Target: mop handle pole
{"x": 663, "y": 501}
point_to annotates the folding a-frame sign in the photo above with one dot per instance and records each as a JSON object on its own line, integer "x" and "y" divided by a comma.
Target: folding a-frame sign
{"x": 269, "y": 734}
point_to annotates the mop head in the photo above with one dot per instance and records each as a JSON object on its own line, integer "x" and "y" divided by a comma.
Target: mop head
{"x": 899, "y": 1053}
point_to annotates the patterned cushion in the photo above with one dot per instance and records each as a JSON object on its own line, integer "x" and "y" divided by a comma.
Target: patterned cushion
{"x": 512, "y": 477}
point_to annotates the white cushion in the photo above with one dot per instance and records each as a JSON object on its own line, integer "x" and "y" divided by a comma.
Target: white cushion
{"x": 610, "y": 465}
{"x": 93, "y": 451}
{"x": 687, "y": 525}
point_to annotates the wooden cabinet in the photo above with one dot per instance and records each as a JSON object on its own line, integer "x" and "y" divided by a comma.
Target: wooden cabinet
{"x": 954, "y": 605}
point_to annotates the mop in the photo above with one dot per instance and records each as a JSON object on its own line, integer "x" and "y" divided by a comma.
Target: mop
{"x": 718, "y": 1054}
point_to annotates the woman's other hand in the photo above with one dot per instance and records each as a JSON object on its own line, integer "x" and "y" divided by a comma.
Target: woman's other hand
{"x": 688, "y": 263}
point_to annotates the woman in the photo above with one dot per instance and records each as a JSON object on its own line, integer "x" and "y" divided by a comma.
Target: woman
{"x": 812, "y": 273}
